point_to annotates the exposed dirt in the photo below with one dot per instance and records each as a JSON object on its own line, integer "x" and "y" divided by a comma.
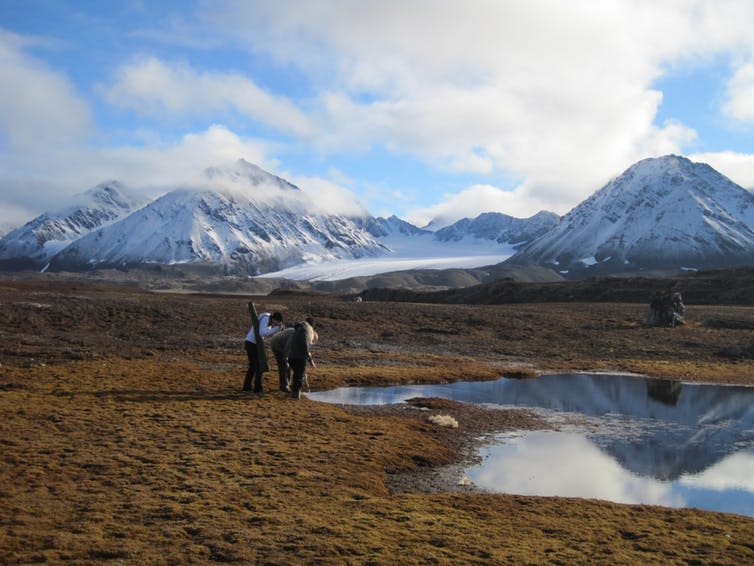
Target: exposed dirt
{"x": 125, "y": 436}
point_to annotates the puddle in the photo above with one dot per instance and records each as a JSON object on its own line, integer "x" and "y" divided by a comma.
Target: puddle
{"x": 637, "y": 440}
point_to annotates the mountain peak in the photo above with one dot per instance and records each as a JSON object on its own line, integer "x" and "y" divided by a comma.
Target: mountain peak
{"x": 661, "y": 213}
{"x": 34, "y": 243}
{"x": 499, "y": 227}
{"x": 245, "y": 175}
{"x": 111, "y": 193}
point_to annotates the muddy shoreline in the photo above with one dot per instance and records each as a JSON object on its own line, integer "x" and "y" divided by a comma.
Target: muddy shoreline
{"x": 474, "y": 427}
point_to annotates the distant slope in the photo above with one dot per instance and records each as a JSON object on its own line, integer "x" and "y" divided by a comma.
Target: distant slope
{"x": 664, "y": 213}
{"x": 391, "y": 226}
{"x": 36, "y": 242}
{"x": 719, "y": 287}
{"x": 500, "y": 228}
{"x": 247, "y": 222}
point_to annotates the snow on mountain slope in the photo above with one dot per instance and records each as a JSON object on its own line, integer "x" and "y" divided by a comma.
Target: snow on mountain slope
{"x": 420, "y": 251}
{"x": 661, "y": 213}
{"x": 467, "y": 244}
{"x": 246, "y": 220}
{"x": 387, "y": 227}
{"x": 499, "y": 228}
{"x": 34, "y": 243}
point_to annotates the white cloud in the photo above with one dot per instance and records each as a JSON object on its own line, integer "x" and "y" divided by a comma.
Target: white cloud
{"x": 327, "y": 195}
{"x": 40, "y": 106}
{"x": 735, "y": 471}
{"x": 474, "y": 200}
{"x": 151, "y": 169}
{"x": 153, "y": 87}
{"x": 738, "y": 167}
{"x": 182, "y": 162}
{"x": 524, "y": 466}
{"x": 740, "y": 103}
{"x": 559, "y": 94}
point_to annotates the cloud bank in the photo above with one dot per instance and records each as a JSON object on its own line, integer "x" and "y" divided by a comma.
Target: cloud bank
{"x": 559, "y": 96}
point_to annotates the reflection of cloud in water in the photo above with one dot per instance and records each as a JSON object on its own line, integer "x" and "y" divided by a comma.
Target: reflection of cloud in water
{"x": 569, "y": 465}
{"x": 734, "y": 472}
{"x": 636, "y": 440}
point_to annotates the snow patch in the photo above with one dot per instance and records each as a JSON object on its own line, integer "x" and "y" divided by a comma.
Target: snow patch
{"x": 413, "y": 252}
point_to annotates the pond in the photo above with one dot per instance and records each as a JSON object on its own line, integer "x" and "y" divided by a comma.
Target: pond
{"x": 620, "y": 438}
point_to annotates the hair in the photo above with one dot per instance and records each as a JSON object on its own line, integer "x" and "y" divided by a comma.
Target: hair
{"x": 277, "y": 316}
{"x": 311, "y": 334}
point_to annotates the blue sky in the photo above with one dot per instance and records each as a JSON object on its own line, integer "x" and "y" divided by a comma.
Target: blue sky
{"x": 417, "y": 108}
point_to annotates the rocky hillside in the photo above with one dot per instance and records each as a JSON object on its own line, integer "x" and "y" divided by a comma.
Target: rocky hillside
{"x": 36, "y": 242}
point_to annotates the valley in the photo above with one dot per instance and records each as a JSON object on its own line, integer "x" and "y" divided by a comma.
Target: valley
{"x": 126, "y": 436}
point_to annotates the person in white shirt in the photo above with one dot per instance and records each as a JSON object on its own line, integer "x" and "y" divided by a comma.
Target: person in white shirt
{"x": 264, "y": 325}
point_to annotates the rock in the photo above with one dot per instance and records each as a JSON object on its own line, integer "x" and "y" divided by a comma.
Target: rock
{"x": 667, "y": 310}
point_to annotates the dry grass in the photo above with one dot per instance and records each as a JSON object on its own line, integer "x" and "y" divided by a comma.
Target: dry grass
{"x": 125, "y": 437}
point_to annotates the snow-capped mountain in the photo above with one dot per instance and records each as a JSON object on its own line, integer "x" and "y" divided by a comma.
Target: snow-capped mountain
{"x": 6, "y": 227}
{"x": 34, "y": 243}
{"x": 391, "y": 226}
{"x": 245, "y": 220}
{"x": 661, "y": 213}
{"x": 499, "y": 228}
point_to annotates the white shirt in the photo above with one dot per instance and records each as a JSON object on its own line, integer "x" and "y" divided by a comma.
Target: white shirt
{"x": 264, "y": 328}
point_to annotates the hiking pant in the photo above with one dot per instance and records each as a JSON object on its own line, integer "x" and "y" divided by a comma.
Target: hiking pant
{"x": 253, "y": 373}
{"x": 298, "y": 369}
{"x": 284, "y": 372}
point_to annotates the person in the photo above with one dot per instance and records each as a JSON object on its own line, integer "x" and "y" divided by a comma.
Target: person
{"x": 278, "y": 344}
{"x": 262, "y": 326}
{"x": 299, "y": 353}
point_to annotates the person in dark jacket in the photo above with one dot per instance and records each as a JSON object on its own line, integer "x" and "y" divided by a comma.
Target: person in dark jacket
{"x": 299, "y": 353}
{"x": 278, "y": 343}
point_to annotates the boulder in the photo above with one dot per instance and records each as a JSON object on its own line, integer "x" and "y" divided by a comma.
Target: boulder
{"x": 667, "y": 310}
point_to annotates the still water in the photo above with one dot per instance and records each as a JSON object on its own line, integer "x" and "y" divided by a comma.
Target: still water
{"x": 620, "y": 438}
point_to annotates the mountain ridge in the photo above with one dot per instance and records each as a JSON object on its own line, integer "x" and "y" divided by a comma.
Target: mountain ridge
{"x": 661, "y": 213}
{"x": 207, "y": 226}
{"x": 36, "y": 242}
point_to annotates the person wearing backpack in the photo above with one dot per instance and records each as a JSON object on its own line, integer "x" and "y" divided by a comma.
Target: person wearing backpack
{"x": 278, "y": 343}
{"x": 299, "y": 353}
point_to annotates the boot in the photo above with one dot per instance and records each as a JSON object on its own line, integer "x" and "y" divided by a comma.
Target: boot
{"x": 285, "y": 384}
{"x": 258, "y": 383}
{"x": 296, "y": 388}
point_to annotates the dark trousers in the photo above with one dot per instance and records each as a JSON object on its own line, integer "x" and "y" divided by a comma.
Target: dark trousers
{"x": 298, "y": 369}
{"x": 284, "y": 372}
{"x": 253, "y": 373}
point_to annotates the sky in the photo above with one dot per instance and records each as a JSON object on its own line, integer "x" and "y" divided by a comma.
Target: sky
{"x": 420, "y": 108}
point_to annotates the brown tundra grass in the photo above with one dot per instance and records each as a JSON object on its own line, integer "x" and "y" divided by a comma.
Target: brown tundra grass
{"x": 125, "y": 437}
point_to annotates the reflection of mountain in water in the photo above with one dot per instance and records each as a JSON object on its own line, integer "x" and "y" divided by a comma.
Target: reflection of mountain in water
{"x": 687, "y": 428}
{"x": 664, "y": 391}
{"x": 684, "y": 428}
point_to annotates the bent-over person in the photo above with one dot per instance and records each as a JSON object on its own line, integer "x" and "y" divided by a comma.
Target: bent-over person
{"x": 279, "y": 344}
{"x": 299, "y": 353}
